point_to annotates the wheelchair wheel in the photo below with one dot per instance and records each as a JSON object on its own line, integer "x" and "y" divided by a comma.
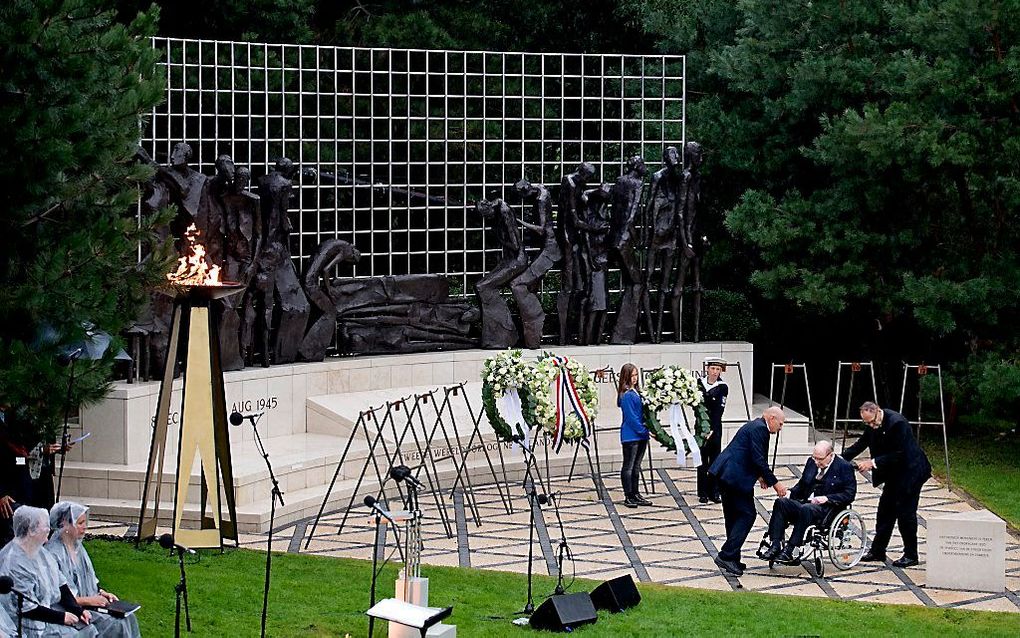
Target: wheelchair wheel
{"x": 848, "y": 539}
{"x": 819, "y": 566}
{"x": 764, "y": 548}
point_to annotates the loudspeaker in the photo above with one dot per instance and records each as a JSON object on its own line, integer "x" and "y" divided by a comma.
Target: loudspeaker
{"x": 616, "y": 594}
{"x": 563, "y": 612}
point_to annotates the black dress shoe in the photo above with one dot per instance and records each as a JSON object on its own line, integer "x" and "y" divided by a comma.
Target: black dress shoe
{"x": 741, "y": 565}
{"x": 906, "y": 561}
{"x": 641, "y": 500}
{"x": 774, "y": 551}
{"x": 702, "y": 499}
{"x": 871, "y": 557}
{"x": 716, "y": 499}
{"x": 729, "y": 566}
{"x": 785, "y": 556}
{"x": 631, "y": 503}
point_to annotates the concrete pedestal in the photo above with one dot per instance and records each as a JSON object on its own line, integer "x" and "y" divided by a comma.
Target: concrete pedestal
{"x": 967, "y": 551}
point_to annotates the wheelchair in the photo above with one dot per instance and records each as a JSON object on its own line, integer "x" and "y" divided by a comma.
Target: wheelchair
{"x": 841, "y": 535}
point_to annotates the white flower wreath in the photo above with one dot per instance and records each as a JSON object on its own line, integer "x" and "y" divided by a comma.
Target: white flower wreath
{"x": 541, "y": 406}
{"x": 671, "y": 385}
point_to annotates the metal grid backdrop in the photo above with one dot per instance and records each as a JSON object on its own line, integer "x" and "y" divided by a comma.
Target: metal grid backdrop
{"x": 412, "y": 137}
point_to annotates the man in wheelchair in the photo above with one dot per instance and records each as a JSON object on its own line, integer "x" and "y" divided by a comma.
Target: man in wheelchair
{"x": 827, "y": 485}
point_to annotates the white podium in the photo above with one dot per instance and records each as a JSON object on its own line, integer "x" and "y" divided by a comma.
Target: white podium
{"x": 418, "y": 594}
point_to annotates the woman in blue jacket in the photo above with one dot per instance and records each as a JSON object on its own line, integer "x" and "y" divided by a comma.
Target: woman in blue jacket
{"x": 633, "y": 434}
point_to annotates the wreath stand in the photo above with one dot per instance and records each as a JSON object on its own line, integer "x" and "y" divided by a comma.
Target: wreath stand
{"x": 788, "y": 369}
{"x": 856, "y": 367}
{"x": 602, "y": 375}
{"x": 922, "y": 370}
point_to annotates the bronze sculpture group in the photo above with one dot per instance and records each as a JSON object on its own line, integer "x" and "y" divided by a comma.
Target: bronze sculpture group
{"x": 596, "y": 227}
{"x": 285, "y": 316}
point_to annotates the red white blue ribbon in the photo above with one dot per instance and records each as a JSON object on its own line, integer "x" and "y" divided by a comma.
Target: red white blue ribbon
{"x": 567, "y": 401}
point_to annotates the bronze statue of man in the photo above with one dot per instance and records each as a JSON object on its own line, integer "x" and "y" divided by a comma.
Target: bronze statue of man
{"x": 498, "y": 329}
{"x": 662, "y": 216}
{"x": 275, "y": 191}
{"x": 572, "y": 273}
{"x": 692, "y": 244}
{"x": 243, "y": 222}
{"x": 596, "y": 233}
{"x": 525, "y": 285}
{"x": 622, "y": 238}
{"x": 192, "y": 193}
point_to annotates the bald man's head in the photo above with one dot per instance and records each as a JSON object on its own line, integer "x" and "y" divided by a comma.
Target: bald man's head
{"x": 774, "y": 418}
{"x": 822, "y": 454}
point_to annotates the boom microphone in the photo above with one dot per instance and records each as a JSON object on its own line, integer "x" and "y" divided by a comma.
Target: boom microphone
{"x": 65, "y": 358}
{"x": 403, "y": 473}
{"x": 236, "y": 418}
{"x": 370, "y": 501}
{"x": 166, "y": 541}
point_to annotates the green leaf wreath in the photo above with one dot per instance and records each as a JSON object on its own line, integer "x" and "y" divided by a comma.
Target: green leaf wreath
{"x": 507, "y": 370}
{"x": 501, "y": 373}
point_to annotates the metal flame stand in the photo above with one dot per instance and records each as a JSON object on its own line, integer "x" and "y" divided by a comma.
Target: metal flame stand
{"x": 203, "y": 428}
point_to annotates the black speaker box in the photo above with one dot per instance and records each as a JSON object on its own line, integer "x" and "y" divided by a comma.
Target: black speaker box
{"x": 616, "y": 594}
{"x": 558, "y": 613}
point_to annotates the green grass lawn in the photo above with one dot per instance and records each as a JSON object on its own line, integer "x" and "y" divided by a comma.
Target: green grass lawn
{"x": 985, "y": 467}
{"x": 320, "y": 596}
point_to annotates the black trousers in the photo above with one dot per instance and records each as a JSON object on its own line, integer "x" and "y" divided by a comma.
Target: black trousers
{"x": 802, "y": 515}
{"x": 739, "y": 515}
{"x": 897, "y": 505}
{"x": 707, "y": 484}
{"x": 630, "y": 473}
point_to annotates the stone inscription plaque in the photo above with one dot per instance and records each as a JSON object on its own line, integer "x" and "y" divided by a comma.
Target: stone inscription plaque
{"x": 967, "y": 551}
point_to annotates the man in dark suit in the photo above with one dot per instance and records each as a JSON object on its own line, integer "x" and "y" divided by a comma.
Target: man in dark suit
{"x": 827, "y": 483}
{"x": 744, "y": 461}
{"x": 900, "y": 463}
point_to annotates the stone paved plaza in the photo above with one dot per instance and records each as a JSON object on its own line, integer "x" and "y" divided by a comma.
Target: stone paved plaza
{"x": 671, "y": 542}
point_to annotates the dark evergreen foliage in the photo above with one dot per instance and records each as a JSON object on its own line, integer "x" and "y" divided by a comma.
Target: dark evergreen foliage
{"x": 73, "y": 86}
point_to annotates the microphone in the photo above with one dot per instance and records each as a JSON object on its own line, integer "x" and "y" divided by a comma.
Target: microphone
{"x": 64, "y": 358}
{"x": 166, "y": 541}
{"x": 7, "y": 587}
{"x": 520, "y": 434}
{"x": 371, "y": 502}
{"x": 236, "y": 418}
{"x": 403, "y": 473}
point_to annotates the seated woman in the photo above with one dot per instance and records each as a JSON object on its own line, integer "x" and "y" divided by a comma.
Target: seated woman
{"x": 8, "y": 628}
{"x": 37, "y": 576}
{"x": 68, "y": 523}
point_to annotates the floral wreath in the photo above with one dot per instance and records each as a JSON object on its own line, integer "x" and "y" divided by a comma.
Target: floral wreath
{"x": 562, "y": 399}
{"x": 671, "y": 385}
{"x": 502, "y": 373}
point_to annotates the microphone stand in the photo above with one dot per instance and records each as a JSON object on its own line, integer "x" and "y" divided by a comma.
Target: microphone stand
{"x": 375, "y": 574}
{"x": 63, "y": 436}
{"x": 21, "y": 603}
{"x": 275, "y": 495}
{"x": 532, "y": 493}
{"x": 182, "y": 591}
{"x": 563, "y": 549}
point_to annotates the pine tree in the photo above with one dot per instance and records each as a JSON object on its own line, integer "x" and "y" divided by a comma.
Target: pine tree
{"x": 73, "y": 87}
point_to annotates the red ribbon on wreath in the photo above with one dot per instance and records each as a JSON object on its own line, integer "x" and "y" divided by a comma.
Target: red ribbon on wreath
{"x": 567, "y": 398}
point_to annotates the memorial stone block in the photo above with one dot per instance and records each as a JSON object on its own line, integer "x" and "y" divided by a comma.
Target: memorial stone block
{"x": 967, "y": 550}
